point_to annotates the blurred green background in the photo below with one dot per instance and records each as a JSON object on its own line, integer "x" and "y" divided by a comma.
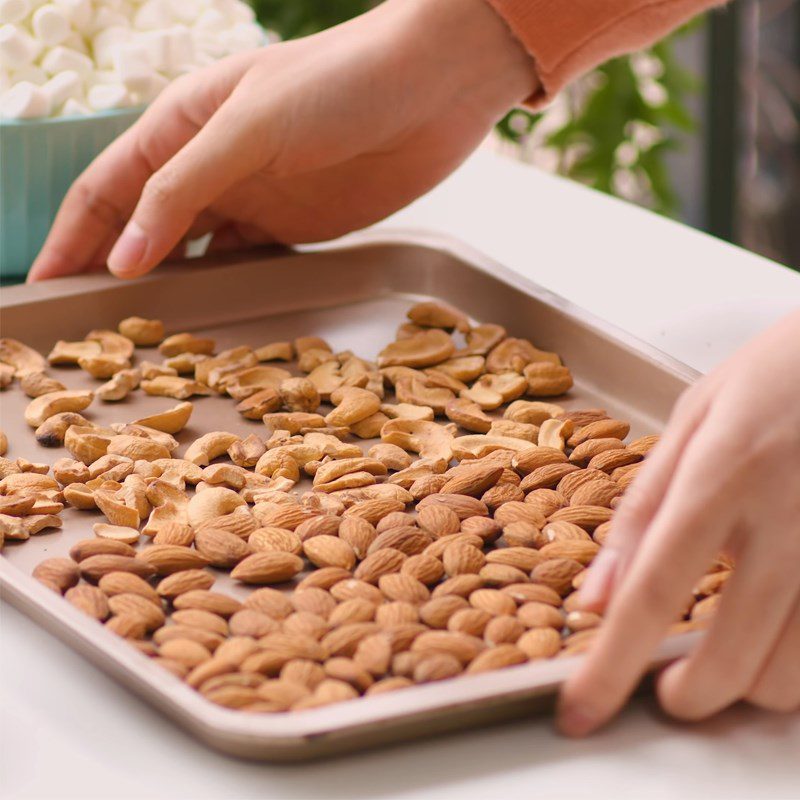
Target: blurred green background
{"x": 703, "y": 127}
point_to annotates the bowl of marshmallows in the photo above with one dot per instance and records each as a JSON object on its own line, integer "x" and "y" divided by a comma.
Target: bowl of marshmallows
{"x": 74, "y": 74}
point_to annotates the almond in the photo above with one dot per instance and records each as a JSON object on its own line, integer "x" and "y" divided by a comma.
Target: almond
{"x": 463, "y": 505}
{"x": 90, "y": 600}
{"x": 137, "y": 606}
{"x": 459, "y": 558}
{"x": 96, "y": 547}
{"x": 267, "y": 567}
{"x": 546, "y": 477}
{"x": 277, "y": 539}
{"x": 439, "y": 520}
{"x": 505, "y": 629}
{"x": 95, "y": 567}
{"x": 503, "y": 655}
{"x": 403, "y": 587}
{"x": 62, "y": 573}
{"x": 221, "y": 548}
{"x": 214, "y": 602}
{"x": 586, "y": 517}
{"x": 186, "y": 580}
{"x": 329, "y": 551}
{"x": 437, "y": 667}
{"x": 539, "y": 643}
{"x": 358, "y": 533}
{"x": 195, "y": 618}
{"x": 474, "y": 481}
{"x": 168, "y": 558}
{"x": 128, "y": 626}
{"x": 381, "y": 562}
{"x": 556, "y": 574}
{"x": 459, "y": 645}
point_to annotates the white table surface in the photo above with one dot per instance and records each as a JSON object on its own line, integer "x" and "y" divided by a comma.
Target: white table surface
{"x": 68, "y": 731}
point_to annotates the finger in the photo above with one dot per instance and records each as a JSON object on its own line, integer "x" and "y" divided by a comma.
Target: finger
{"x": 670, "y": 558}
{"x": 755, "y": 605}
{"x": 227, "y": 149}
{"x": 103, "y": 197}
{"x": 777, "y": 686}
{"x": 238, "y": 236}
{"x": 641, "y": 502}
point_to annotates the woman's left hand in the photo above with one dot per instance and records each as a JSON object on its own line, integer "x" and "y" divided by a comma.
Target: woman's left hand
{"x": 725, "y": 477}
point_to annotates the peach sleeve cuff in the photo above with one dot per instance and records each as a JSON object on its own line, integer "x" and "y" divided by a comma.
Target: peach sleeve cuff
{"x": 567, "y": 38}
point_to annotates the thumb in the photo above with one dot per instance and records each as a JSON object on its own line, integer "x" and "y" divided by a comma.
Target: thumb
{"x": 222, "y": 153}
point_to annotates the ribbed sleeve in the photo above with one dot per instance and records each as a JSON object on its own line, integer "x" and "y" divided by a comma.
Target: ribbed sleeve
{"x": 567, "y": 38}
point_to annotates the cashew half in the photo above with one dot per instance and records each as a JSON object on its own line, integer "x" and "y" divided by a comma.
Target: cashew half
{"x": 46, "y": 405}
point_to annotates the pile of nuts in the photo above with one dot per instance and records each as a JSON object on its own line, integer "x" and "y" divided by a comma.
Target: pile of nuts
{"x": 457, "y": 544}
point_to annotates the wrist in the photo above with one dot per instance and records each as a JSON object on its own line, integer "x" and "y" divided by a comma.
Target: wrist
{"x": 465, "y": 49}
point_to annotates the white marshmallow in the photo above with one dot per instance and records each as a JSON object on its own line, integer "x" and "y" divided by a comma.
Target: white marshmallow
{"x": 14, "y": 10}
{"x": 24, "y": 100}
{"x": 105, "y": 96}
{"x": 5, "y": 81}
{"x": 134, "y": 67}
{"x": 233, "y": 10}
{"x": 62, "y": 87}
{"x": 74, "y": 108}
{"x": 155, "y": 85}
{"x": 76, "y": 42}
{"x": 104, "y": 18}
{"x": 107, "y": 42}
{"x": 17, "y": 48}
{"x": 50, "y": 24}
{"x": 30, "y": 73}
{"x": 211, "y": 20}
{"x": 152, "y": 15}
{"x": 79, "y": 12}
{"x": 186, "y": 11}
{"x": 61, "y": 58}
{"x": 169, "y": 50}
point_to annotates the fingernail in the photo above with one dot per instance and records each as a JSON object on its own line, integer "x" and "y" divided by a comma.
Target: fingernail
{"x": 594, "y": 589}
{"x": 129, "y": 250}
{"x": 576, "y": 721}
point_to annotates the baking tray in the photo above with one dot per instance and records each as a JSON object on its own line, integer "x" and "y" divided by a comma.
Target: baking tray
{"x": 354, "y": 296}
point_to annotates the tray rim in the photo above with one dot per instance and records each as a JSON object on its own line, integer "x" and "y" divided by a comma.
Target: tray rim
{"x": 294, "y": 734}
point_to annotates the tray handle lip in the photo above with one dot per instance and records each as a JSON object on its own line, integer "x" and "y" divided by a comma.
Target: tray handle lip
{"x": 290, "y": 733}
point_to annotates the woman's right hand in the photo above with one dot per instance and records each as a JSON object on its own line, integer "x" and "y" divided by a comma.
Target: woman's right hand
{"x": 301, "y": 141}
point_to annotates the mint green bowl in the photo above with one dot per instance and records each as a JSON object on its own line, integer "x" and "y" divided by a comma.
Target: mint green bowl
{"x": 39, "y": 160}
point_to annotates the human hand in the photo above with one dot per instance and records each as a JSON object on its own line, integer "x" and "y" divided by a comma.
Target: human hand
{"x": 301, "y": 141}
{"x": 724, "y": 477}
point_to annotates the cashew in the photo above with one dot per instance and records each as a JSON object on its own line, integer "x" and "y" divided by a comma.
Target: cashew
{"x": 6, "y": 376}
{"x": 351, "y": 480}
{"x": 275, "y": 351}
{"x": 516, "y": 430}
{"x": 513, "y": 355}
{"x": 463, "y": 368}
{"x": 68, "y": 470}
{"x": 233, "y": 359}
{"x": 327, "y": 378}
{"x": 407, "y": 329}
{"x": 532, "y": 412}
{"x": 394, "y": 374}
{"x": 12, "y": 529}
{"x": 215, "y": 501}
{"x": 103, "y": 366}
{"x": 142, "y": 332}
{"x": 87, "y": 444}
{"x": 554, "y": 433}
{"x": 299, "y": 394}
{"x": 481, "y": 339}
{"x": 118, "y": 533}
{"x": 20, "y": 357}
{"x": 370, "y": 427}
{"x": 35, "y": 384}
{"x": 111, "y": 467}
{"x": 390, "y": 455}
{"x": 164, "y": 439}
{"x": 26, "y": 482}
{"x": 244, "y": 383}
{"x": 185, "y": 363}
{"x": 186, "y": 343}
{"x": 120, "y": 385}
{"x": 415, "y": 392}
{"x": 8, "y": 467}
{"x": 166, "y": 514}
{"x": 310, "y": 359}
{"x": 293, "y": 422}
{"x": 479, "y": 446}
{"x": 137, "y": 448}
{"x": 150, "y": 370}
{"x": 246, "y": 452}
{"x": 336, "y": 469}
{"x": 438, "y": 315}
{"x": 69, "y": 352}
{"x": 177, "y": 471}
{"x": 305, "y": 343}
{"x": 47, "y": 405}
{"x": 225, "y": 474}
{"x": 435, "y": 378}
{"x": 112, "y": 343}
{"x": 421, "y": 350}
{"x": 80, "y": 496}
{"x": 3, "y": 443}
{"x": 429, "y": 439}
{"x": 262, "y": 402}
{"x": 468, "y": 415}
{"x": 171, "y": 421}
{"x": 173, "y": 386}
{"x": 114, "y": 509}
{"x": 352, "y": 405}
{"x": 406, "y": 411}
{"x": 52, "y": 431}
{"x": 331, "y": 445}
{"x": 209, "y": 446}
{"x": 547, "y": 380}
{"x": 491, "y": 390}
{"x": 273, "y": 460}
